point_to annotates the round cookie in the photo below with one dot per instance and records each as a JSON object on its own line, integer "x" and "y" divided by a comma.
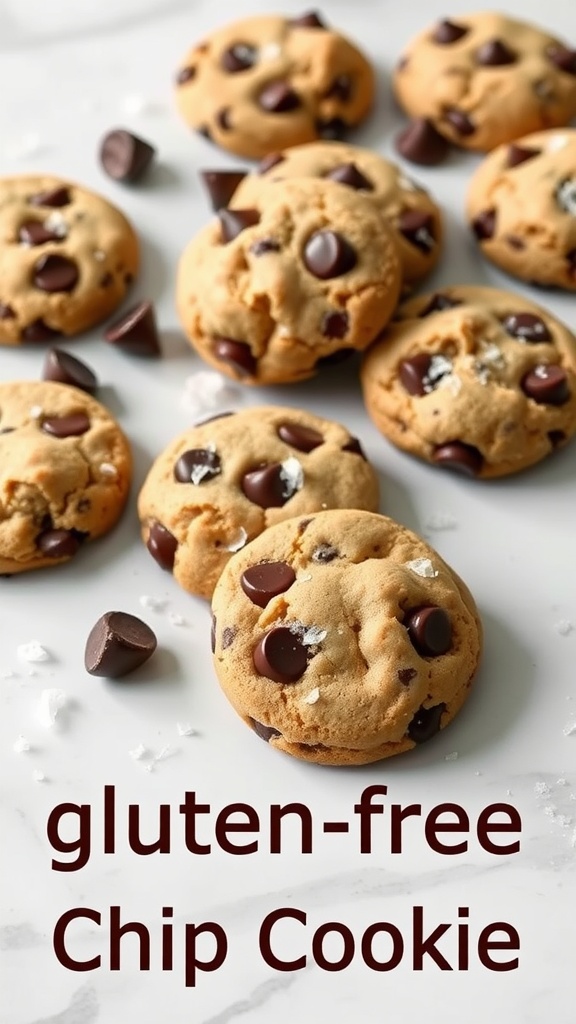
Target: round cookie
{"x": 67, "y": 257}
{"x": 219, "y": 485}
{"x": 522, "y": 208}
{"x": 265, "y": 293}
{"x": 268, "y": 81}
{"x": 484, "y": 79}
{"x": 473, "y": 379}
{"x": 413, "y": 216}
{"x": 344, "y": 638}
{"x": 65, "y": 469}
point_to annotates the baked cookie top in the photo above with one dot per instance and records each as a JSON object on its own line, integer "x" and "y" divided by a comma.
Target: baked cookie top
{"x": 343, "y": 638}
{"x": 484, "y": 79}
{"x": 219, "y": 485}
{"x": 522, "y": 207}
{"x": 67, "y": 257}
{"x": 65, "y": 469}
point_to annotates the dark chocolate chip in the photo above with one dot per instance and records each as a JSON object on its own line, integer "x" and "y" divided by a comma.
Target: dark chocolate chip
{"x": 117, "y": 644}
{"x": 59, "y": 543}
{"x": 185, "y": 75}
{"x": 406, "y": 675}
{"x": 233, "y": 222}
{"x": 556, "y": 438}
{"x": 66, "y": 369}
{"x": 270, "y": 161}
{"x": 39, "y": 331}
{"x": 278, "y": 98}
{"x": 520, "y": 154}
{"x": 197, "y": 466}
{"x": 422, "y": 144}
{"x": 228, "y": 636}
{"x": 223, "y": 119}
{"x": 335, "y": 325}
{"x": 484, "y": 224}
{"x": 280, "y": 655}
{"x": 571, "y": 257}
{"x": 459, "y": 121}
{"x": 236, "y": 354}
{"x": 311, "y": 19}
{"x": 527, "y": 327}
{"x": 53, "y": 273}
{"x": 305, "y": 439}
{"x": 563, "y": 58}
{"x": 463, "y": 458}
{"x": 162, "y": 545}
{"x": 494, "y": 53}
{"x": 354, "y": 447}
{"x": 333, "y": 129}
{"x": 238, "y": 57}
{"x": 265, "y": 732}
{"x": 66, "y": 426}
{"x": 136, "y": 332}
{"x": 348, "y": 174}
{"x": 447, "y": 32}
{"x": 6, "y": 312}
{"x": 264, "y": 245}
{"x": 340, "y": 89}
{"x": 413, "y": 372}
{"x": 438, "y": 303}
{"x": 416, "y": 226}
{"x": 426, "y": 723}
{"x": 125, "y": 156}
{"x": 430, "y": 630}
{"x": 327, "y": 254}
{"x": 325, "y": 553}
{"x": 32, "y": 232}
{"x": 265, "y": 486}
{"x": 54, "y": 197}
{"x": 264, "y": 581}
{"x": 547, "y": 385}
{"x": 213, "y": 634}
{"x": 221, "y": 186}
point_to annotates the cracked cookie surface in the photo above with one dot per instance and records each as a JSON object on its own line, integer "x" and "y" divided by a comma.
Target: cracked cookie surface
{"x": 65, "y": 469}
{"x": 219, "y": 485}
{"x": 344, "y": 638}
{"x": 474, "y": 379}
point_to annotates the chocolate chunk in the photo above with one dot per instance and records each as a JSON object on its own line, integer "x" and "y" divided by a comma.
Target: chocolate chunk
{"x": 563, "y": 58}
{"x": 39, "y": 331}
{"x": 571, "y": 257}
{"x": 66, "y": 426}
{"x": 447, "y": 32}
{"x": 270, "y": 161}
{"x": 59, "y": 543}
{"x": 54, "y": 198}
{"x": 53, "y": 273}
{"x": 162, "y": 545}
{"x": 494, "y": 53}
{"x": 460, "y": 121}
{"x": 416, "y": 226}
{"x": 327, "y": 254}
{"x": 265, "y": 732}
{"x": 430, "y": 630}
{"x": 348, "y": 174}
{"x": 456, "y": 455}
{"x": 335, "y": 325}
{"x": 527, "y": 327}
{"x": 221, "y": 186}
{"x": 117, "y": 644}
{"x": 264, "y": 245}
{"x": 66, "y": 369}
{"x": 197, "y": 466}
{"x": 124, "y": 156}
{"x": 354, "y": 447}
{"x": 311, "y": 19}
{"x": 439, "y": 302}
{"x": 185, "y": 75}
{"x": 265, "y": 486}
{"x": 233, "y": 222}
{"x": 6, "y": 312}
{"x": 556, "y": 437}
{"x": 325, "y": 553}
{"x": 238, "y": 57}
{"x": 340, "y": 89}
{"x": 546, "y": 385}
{"x": 228, "y": 636}
{"x": 426, "y": 723}
{"x": 280, "y": 655}
{"x": 520, "y": 154}
{"x": 264, "y": 581}
{"x": 305, "y": 439}
{"x": 413, "y": 372}
{"x": 334, "y": 129}
{"x": 136, "y": 332}
{"x": 278, "y": 98}
{"x": 237, "y": 354}
{"x": 224, "y": 119}
{"x": 422, "y": 144}
{"x": 213, "y": 634}
{"x": 32, "y": 232}
{"x": 484, "y": 225}
{"x": 406, "y": 675}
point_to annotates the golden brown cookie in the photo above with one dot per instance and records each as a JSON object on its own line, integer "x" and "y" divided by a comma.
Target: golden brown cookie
{"x": 219, "y": 485}
{"x": 67, "y": 258}
{"x": 474, "y": 379}
{"x": 65, "y": 469}
{"x": 344, "y": 638}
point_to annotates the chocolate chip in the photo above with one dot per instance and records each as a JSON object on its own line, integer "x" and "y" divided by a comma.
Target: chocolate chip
{"x": 197, "y": 466}
{"x": 439, "y": 302}
{"x": 213, "y": 634}
{"x": 233, "y": 222}
{"x": 117, "y": 644}
{"x": 185, "y": 75}
{"x": 238, "y": 57}
{"x": 520, "y": 154}
{"x": 265, "y": 732}
{"x": 228, "y": 636}
{"x": 333, "y": 129}
{"x": 7, "y": 430}
{"x": 265, "y": 486}
{"x": 563, "y": 58}
{"x": 413, "y": 372}
{"x": 66, "y": 426}
{"x": 59, "y": 543}
{"x": 125, "y": 156}
{"x": 556, "y": 437}
{"x": 305, "y": 439}
{"x": 32, "y": 232}
{"x": 223, "y": 119}
{"x": 221, "y": 186}
{"x": 447, "y": 32}
{"x": 264, "y": 581}
{"x": 348, "y": 174}
{"x": 426, "y": 723}
{"x": 335, "y": 325}
{"x": 264, "y": 245}
{"x": 406, "y": 675}
{"x": 460, "y": 121}
{"x": 278, "y": 98}
{"x": 327, "y": 254}
{"x": 6, "y": 312}
{"x": 354, "y": 447}
{"x": 422, "y": 144}
{"x": 311, "y": 19}
{"x": 270, "y": 161}
{"x": 54, "y": 197}
{"x": 136, "y": 332}
{"x": 66, "y": 369}
{"x": 53, "y": 273}
{"x": 162, "y": 545}
{"x": 571, "y": 257}
{"x": 527, "y": 327}
{"x": 430, "y": 630}
{"x": 39, "y": 331}
{"x": 325, "y": 553}
{"x": 280, "y": 655}
{"x": 416, "y": 226}
{"x": 484, "y": 225}
{"x": 547, "y": 385}
{"x": 236, "y": 354}
{"x": 494, "y": 53}
{"x": 340, "y": 89}
{"x": 463, "y": 458}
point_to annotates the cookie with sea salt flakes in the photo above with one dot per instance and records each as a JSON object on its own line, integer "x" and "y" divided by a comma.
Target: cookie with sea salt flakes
{"x": 65, "y": 469}
{"x": 219, "y": 485}
{"x": 266, "y": 293}
{"x": 343, "y": 638}
{"x": 474, "y": 379}
{"x": 67, "y": 258}
{"x": 522, "y": 208}
{"x": 269, "y": 81}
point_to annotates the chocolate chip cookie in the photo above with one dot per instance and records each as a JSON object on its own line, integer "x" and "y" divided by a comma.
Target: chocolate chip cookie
{"x": 219, "y": 485}
{"x": 484, "y": 79}
{"x": 522, "y": 208}
{"x": 67, "y": 257}
{"x": 412, "y": 214}
{"x": 65, "y": 469}
{"x": 268, "y": 81}
{"x": 474, "y": 379}
{"x": 267, "y": 292}
{"x": 343, "y": 638}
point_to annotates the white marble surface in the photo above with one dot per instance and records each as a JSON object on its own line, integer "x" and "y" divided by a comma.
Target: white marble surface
{"x": 68, "y": 72}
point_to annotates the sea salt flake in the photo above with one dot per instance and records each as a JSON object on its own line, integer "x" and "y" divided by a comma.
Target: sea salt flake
{"x": 283, "y": 331}
{"x": 566, "y": 196}
{"x": 292, "y": 477}
{"x": 33, "y": 652}
{"x": 313, "y": 635}
{"x": 541, "y": 789}
{"x": 491, "y": 355}
{"x": 175, "y": 619}
{"x": 452, "y": 756}
{"x": 50, "y": 704}
{"x": 56, "y": 224}
{"x": 550, "y": 810}
{"x": 305, "y": 578}
{"x": 422, "y": 567}
{"x": 207, "y": 390}
{"x": 570, "y": 729}
{"x": 451, "y": 382}
{"x": 440, "y": 366}
{"x": 99, "y": 255}
{"x": 564, "y": 627}
{"x": 107, "y": 469}
{"x": 199, "y": 472}
{"x": 36, "y": 411}
{"x": 38, "y": 775}
{"x": 562, "y": 782}
{"x": 153, "y": 604}
{"x": 312, "y": 697}
{"x": 139, "y": 752}
{"x": 185, "y": 729}
{"x": 441, "y": 521}
{"x": 564, "y": 820}
{"x": 270, "y": 51}
{"x": 21, "y": 745}
{"x": 239, "y": 542}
